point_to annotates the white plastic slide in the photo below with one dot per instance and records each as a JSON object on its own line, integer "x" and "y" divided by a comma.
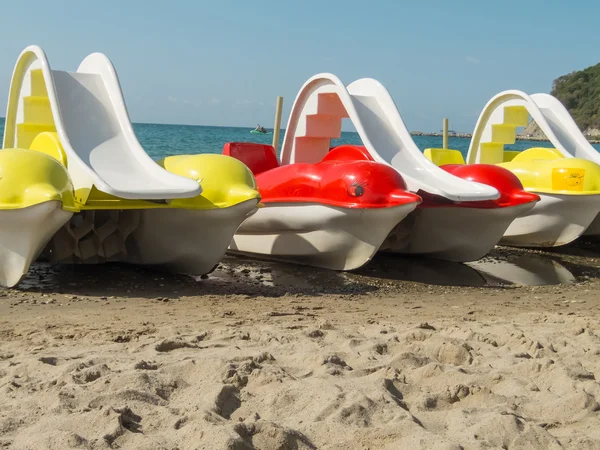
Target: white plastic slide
{"x": 316, "y": 118}
{"x": 570, "y": 138}
{"x": 507, "y": 110}
{"x": 87, "y": 110}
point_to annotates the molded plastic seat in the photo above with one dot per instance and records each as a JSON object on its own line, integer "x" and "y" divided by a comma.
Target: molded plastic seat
{"x": 258, "y": 157}
{"x": 348, "y": 152}
{"x": 444, "y": 156}
{"x": 537, "y": 153}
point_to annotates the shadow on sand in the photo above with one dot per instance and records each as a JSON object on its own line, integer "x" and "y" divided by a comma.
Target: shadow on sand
{"x": 503, "y": 266}
{"x": 238, "y": 275}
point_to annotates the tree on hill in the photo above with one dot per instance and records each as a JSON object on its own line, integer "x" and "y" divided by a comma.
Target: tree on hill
{"x": 579, "y": 91}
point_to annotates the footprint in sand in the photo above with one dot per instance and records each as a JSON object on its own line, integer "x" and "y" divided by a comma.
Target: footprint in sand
{"x": 335, "y": 365}
{"x": 227, "y": 401}
{"x": 122, "y": 420}
{"x": 90, "y": 374}
{"x": 50, "y": 360}
{"x": 268, "y": 435}
{"x": 173, "y": 344}
{"x": 146, "y": 365}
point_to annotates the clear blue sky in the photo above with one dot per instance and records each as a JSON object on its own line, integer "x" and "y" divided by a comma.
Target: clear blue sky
{"x": 224, "y": 62}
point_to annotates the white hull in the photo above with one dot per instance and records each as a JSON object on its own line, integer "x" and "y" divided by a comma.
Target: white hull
{"x": 179, "y": 240}
{"x": 594, "y": 228}
{"x": 554, "y": 221}
{"x": 318, "y": 235}
{"x": 187, "y": 241}
{"x": 24, "y": 234}
{"x": 453, "y": 233}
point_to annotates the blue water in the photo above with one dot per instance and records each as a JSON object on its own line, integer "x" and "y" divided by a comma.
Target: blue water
{"x": 162, "y": 140}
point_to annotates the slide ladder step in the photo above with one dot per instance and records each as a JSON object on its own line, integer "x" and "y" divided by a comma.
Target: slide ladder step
{"x": 311, "y": 149}
{"x": 323, "y": 126}
{"x": 38, "y": 84}
{"x": 331, "y": 105}
{"x": 36, "y": 109}
{"x": 504, "y": 133}
{"x": 516, "y": 115}
{"x": 491, "y": 153}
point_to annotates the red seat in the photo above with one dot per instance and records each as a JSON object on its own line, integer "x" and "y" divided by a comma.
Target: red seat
{"x": 347, "y": 152}
{"x": 258, "y": 157}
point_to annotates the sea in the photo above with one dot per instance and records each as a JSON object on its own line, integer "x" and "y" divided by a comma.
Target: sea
{"x": 164, "y": 140}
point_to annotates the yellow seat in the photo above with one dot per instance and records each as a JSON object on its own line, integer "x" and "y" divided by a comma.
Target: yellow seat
{"x": 225, "y": 180}
{"x": 538, "y": 153}
{"x": 509, "y": 155}
{"x": 443, "y": 156}
{"x": 29, "y": 178}
{"x": 48, "y": 142}
{"x": 545, "y": 170}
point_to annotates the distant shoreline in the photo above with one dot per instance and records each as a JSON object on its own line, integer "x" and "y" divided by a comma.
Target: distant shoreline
{"x": 594, "y": 140}
{"x": 519, "y": 138}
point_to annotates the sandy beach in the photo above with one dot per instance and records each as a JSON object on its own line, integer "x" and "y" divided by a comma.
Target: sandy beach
{"x": 275, "y": 356}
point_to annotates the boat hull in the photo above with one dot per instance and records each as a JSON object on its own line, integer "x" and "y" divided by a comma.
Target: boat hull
{"x": 187, "y": 241}
{"x": 23, "y": 235}
{"x": 594, "y": 228}
{"x": 453, "y": 233}
{"x": 318, "y": 235}
{"x": 554, "y": 221}
{"x": 190, "y": 241}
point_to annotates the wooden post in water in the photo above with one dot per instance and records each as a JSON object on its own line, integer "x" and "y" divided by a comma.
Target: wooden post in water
{"x": 445, "y": 133}
{"x": 277, "y": 126}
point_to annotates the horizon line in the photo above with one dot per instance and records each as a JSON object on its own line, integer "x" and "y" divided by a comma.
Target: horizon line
{"x": 250, "y": 127}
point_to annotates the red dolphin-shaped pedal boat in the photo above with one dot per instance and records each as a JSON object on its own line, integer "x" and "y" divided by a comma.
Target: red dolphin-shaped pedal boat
{"x": 333, "y": 214}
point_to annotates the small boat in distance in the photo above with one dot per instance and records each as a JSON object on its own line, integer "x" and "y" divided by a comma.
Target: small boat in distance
{"x": 260, "y": 130}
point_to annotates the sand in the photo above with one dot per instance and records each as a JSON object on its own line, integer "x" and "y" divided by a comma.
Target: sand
{"x": 267, "y": 356}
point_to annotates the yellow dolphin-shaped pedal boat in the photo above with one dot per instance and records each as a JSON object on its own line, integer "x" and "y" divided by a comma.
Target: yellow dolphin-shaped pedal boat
{"x": 194, "y": 234}
{"x": 82, "y": 187}
{"x": 569, "y": 190}
{"x": 185, "y": 235}
{"x": 189, "y": 235}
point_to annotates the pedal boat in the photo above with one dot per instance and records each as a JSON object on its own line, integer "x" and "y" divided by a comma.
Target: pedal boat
{"x": 77, "y": 187}
{"x": 460, "y": 231}
{"x": 333, "y": 214}
{"x": 569, "y": 191}
{"x": 459, "y": 220}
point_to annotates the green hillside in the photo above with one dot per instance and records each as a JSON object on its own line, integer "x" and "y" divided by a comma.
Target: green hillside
{"x": 580, "y": 93}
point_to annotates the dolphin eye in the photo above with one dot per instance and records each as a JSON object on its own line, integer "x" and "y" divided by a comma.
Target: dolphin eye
{"x": 356, "y": 190}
